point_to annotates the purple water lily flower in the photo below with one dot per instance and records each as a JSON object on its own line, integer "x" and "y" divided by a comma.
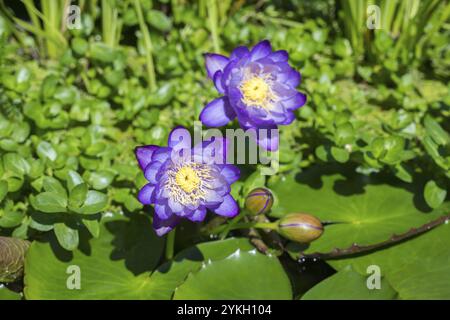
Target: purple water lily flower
{"x": 184, "y": 182}
{"x": 258, "y": 88}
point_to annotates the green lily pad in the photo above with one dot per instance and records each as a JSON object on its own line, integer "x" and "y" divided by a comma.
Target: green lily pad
{"x": 6, "y": 294}
{"x": 417, "y": 269}
{"x": 173, "y": 273}
{"x": 349, "y": 285}
{"x": 360, "y": 211}
{"x": 116, "y": 265}
{"x": 242, "y": 275}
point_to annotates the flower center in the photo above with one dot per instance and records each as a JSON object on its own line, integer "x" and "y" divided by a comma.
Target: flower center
{"x": 188, "y": 183}
{"x": 255, "y": 91}
{"x": 187, "y": 179}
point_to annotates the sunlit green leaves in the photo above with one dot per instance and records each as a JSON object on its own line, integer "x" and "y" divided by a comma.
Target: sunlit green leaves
{"x": 46, "y": 151}
{"x": 242, "y": 275}
{"x": 73, "y": 179}
{"x": 69, "y": 206}
{"x": 361, "y": 211}
{"x": 172, "y": 274}
{"x": 95, "y": 202}
{"x": 49, "y": 202}
{"x": 51, "y": 184}
{"x": 436, "y": 143}
{"x": 102, "y": 52}
{"x": 350, "y": 285}
{"x": 16, "y": 164}
{"x": 3, "y": 189}
{"x": 158, "y": 20}
{"x": 6, "y": 294}
{"x": 435, "y": 131}
{"x": 163, "y": 96}
{"x": 69, "y": 124}
{"x": 11, "y": 215}
{"x": 116, "y": 268}
{"x": 417, "y": 269}
{"x": 113, "y": 268}
{"x": 78, "y": 195}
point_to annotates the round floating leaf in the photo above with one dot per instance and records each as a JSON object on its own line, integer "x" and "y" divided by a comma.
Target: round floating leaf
{"x": 362, "y": 211}
{"x": 12, "y": 255}
{"x": 417, "y": 269}
{"x": 6, "y": 294}
{"x": 434, "y": 195}
{"x": 349, "y": 285}
{"x": 116, "y": 265}
{"x": 172, "y": 274}
{"x": 159, "y": 20}
{"x": 242, "y": 275}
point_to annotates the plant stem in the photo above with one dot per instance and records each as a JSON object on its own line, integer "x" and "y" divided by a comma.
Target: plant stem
{"x": 232, "y": 223}
{"x": 170, "y": 244}
{"x": 148, "y": 47}
{"x": 213, "y": 24}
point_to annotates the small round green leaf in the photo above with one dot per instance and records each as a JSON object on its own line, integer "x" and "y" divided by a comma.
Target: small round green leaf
{"x": 51, "y": 184}
{"x": 49, "y": 202}
{"x": 73, "y": 179}
{"x": 78, "y": 195}
{"x": 434, "y": 195}
{"x": 3, "y": 189}
{"x": 67, "y": 237}
{"x": 46, "y": 151}
{"x": 94, "y": 203}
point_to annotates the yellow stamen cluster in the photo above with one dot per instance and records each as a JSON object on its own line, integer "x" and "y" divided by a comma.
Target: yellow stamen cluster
{"x": 187, "y": 179}
{"x": 256, "y": 91}
{"x": 188, "y": 183}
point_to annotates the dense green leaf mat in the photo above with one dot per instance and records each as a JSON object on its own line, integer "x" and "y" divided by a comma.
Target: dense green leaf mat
{"x": 368, "y": 154}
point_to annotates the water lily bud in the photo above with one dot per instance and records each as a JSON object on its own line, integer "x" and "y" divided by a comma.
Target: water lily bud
{"x": 259, "y": 201}
{"x": 300, "y": 227}
{"x": 12, "y": 256}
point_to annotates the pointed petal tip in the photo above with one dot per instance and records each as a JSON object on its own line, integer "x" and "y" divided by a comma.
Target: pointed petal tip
{"x": 217, "y": 113}
{"x": 144, "y": 154}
